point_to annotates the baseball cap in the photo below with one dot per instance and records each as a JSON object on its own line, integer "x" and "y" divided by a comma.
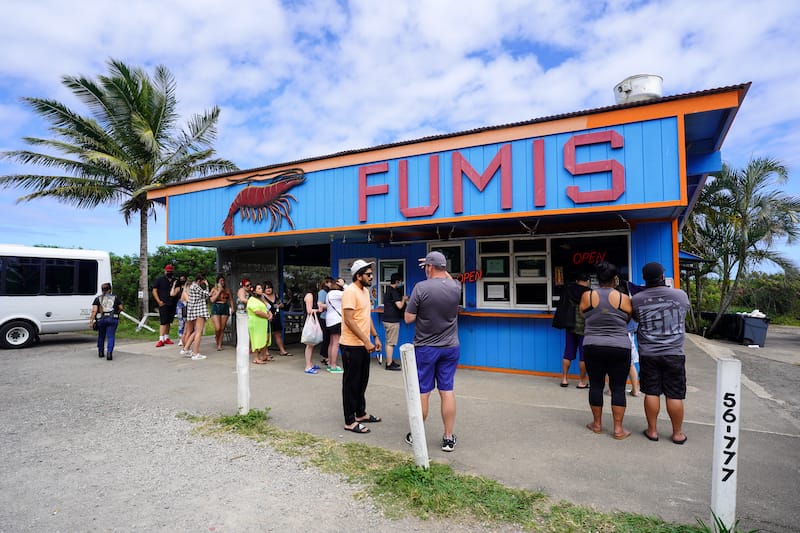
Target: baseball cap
{"x": 652, "y": 272}
{"x": 358, "y": 264}
{"x": 169, "y": 268}
{"x": 436, "y": 259}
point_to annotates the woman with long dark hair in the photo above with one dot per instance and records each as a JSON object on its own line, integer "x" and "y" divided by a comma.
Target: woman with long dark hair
{"x": 311, "y": 307}
{"x": 258, "y": 317}
{"x": 221, "y": 308}
{"x": 274, "y": 304}
{"x": 606, "y": 347}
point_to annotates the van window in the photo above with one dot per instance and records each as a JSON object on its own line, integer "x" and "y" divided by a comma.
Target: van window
{"x": 22, "y": 276}
{"x": 31, "y": 276}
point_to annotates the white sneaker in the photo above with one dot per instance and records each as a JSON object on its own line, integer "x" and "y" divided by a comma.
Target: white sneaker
{"x": 180, "y": 343}
{"x": 198, "y": 357}
{"x": 184, "y": 352}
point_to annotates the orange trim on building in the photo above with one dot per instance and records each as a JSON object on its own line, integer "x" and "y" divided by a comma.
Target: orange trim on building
{"x": 676, "y": 267}
{"x": 512, "y": 371}
{"x": 682, "y": 159}
{"x": 675, "y": 108}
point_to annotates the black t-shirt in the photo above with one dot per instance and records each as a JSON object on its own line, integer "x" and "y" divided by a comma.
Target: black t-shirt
{"x": 391, "y": 313}
{"x": 163, "y": 286}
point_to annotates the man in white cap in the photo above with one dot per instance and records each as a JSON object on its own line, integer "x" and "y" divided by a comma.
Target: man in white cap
{"x": 661, "y": 313}
{"x": 433, "y": 305}
{"x": 356, "y": 344}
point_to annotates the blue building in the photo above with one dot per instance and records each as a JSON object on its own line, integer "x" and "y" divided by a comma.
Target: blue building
{"x": 516, "y": 209}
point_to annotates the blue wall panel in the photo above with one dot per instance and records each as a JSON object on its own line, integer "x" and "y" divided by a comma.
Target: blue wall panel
{"x": 329, "y": 198}
{"x": 528, "y": 343}
{"x": 651, "y": 242}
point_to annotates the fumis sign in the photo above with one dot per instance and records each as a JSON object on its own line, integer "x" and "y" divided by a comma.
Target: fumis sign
{"x": 501, "y": 162}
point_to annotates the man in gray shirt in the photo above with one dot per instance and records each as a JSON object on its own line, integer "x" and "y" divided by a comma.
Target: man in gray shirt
{"x": 661, "y": 313}
{"x": 433, "y": 305}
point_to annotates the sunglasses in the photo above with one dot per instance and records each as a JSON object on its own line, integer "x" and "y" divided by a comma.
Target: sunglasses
{"x": 370, "y": 274}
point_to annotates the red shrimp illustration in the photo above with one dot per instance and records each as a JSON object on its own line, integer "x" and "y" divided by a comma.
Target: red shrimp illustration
{"x": 255, "y": 202}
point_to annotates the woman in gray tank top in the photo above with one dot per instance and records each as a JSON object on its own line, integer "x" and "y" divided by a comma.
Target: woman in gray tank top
{"x": 606, "y": 347}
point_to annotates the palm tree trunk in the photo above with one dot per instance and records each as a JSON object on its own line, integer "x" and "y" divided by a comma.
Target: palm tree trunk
{"x": 143, "y": 277}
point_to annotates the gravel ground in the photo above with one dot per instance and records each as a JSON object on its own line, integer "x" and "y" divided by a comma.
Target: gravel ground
{"x": 83, "y": 449}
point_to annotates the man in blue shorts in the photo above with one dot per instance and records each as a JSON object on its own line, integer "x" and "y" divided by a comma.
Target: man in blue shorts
{"x": 661, "y": 313}
{"x": 433, "y": 305}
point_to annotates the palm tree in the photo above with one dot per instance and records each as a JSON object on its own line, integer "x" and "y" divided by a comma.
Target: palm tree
{"x": 129, "y": 145}
{"x": 739, "y": 216}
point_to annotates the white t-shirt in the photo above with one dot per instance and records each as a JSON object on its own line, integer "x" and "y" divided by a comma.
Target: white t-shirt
{"x": 333, "y": 313}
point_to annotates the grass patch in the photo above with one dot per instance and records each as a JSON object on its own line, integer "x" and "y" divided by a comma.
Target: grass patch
{"x": 401, "y": 488}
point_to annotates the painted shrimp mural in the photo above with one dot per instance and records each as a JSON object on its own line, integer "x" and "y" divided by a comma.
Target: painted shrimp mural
{"x": 258, "y": 202}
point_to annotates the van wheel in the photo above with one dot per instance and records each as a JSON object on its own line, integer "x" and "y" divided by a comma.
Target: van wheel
{"x": 17, "y": 334}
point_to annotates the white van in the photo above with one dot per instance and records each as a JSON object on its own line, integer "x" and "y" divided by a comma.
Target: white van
{"x": 47, "y": 290}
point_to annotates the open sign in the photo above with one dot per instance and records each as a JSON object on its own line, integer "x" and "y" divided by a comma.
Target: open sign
{"x": 470, "y": 276}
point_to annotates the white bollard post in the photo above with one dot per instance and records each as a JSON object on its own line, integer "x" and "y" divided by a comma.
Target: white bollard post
{"x": 242, "y": 362}
{"x": 726, "y": 441}
{"x": 414, "y": 405}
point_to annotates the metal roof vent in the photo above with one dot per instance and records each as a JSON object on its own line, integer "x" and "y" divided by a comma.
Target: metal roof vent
{"x": 638, "y": 88}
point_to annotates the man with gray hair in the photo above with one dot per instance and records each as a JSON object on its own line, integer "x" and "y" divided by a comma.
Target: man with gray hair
{"x": 661, "y": 313}
{"x": 433, "y": 305}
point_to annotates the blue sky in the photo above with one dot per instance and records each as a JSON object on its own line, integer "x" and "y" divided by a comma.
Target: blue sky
{"x": 299, "y": 79}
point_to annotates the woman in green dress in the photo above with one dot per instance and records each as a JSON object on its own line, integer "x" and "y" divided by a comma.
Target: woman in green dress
{"x": 258, "y": 318}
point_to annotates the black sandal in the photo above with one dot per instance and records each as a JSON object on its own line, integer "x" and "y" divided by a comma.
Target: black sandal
{"x": 358, "y": 428}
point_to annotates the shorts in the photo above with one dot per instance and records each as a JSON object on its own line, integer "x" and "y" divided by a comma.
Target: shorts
{"x": 220, "y": 309}
{"x": 392, "y": 332}
{"x": 663, "y": 374}
{"x": 436, "y": 367}
{"x": 572, "y": 346}
{"x": 166, "y": 314}
{"x": 335, "y": 329}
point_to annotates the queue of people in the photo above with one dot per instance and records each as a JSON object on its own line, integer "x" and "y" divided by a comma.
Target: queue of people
{"x": 617, "y": 326}
{"x": 602, "y": 323}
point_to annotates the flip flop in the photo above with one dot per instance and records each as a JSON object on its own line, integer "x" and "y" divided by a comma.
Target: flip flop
{"x": 564, "y": 384}
{"x": 644, "y": 432}
{"x": 578, "y": 386}
{"x": 681, "y": 442}
{"x": 285, "y": 354}
{"x": 623, "y": 436}
{"x": 590, "y": 428}
{"x": 259, "y": 362}
{"x": 369, "y": 419}
{"x": 358, "y": 428}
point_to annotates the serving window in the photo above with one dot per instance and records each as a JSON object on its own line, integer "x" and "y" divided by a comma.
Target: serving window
{"x": 528, "y": 273}
{"x": 514, "y": 273}
{"x": 454, "y": 254}
{"x": 386, "y": 268}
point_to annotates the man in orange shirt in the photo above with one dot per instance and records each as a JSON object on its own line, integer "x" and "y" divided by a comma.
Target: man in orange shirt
{"x": 356, "y": 345}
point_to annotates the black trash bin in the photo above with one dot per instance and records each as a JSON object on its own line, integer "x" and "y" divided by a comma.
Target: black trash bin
{"x": 729, "y": 327}
{"x": 753, "y": 330}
